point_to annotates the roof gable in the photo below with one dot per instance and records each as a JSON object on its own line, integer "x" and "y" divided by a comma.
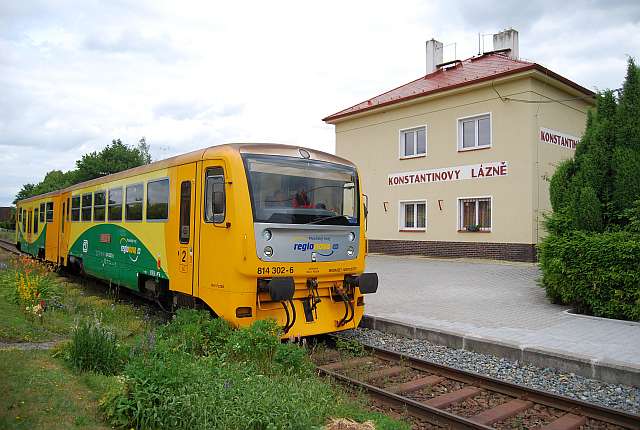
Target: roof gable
{"x": 460, "y": 73}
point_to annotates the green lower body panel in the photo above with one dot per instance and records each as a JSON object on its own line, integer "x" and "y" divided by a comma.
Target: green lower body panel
{"x": 34, "y": 247}
{"x": 112, "y": 253}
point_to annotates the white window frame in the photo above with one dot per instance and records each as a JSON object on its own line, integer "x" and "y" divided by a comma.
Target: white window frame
{"x": 401, "y": 132}
{"x": 401, "y": 214}
{"x": 476, "y": 117}
{"x": 459, "y": 227}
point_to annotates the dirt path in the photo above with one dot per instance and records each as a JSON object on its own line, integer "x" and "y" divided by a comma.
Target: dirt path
{"x": 28, "y": 346}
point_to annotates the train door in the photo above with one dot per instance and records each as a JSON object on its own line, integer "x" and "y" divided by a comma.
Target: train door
{"x": 64, "y": 228}
{"x": 183, "y": 235}
{"x": 29, "y": 225}
{"x": 215, "y": 251}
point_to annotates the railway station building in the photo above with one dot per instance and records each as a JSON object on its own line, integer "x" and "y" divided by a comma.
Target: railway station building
{"x": 457, "y": 162}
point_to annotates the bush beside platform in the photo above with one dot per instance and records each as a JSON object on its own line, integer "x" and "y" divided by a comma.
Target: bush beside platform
{"x": 597, "y": 273}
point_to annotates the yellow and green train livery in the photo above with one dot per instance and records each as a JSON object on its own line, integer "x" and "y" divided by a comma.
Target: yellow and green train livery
{"x": 251, "y": 231}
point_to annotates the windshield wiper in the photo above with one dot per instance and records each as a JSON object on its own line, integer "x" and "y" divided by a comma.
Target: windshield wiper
{"x": 326, "y": 219}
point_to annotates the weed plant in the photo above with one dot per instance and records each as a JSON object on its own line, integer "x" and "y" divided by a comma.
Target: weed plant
{"x": 350, "y": 347}
{"x": 95, "y": 348}
{"x": 198, "y": 373}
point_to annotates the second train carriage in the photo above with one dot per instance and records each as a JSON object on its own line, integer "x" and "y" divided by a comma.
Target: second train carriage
{"x": 253, "y": 231}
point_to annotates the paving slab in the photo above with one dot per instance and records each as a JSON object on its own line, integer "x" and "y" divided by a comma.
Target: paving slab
{"x": 499, "y": 308}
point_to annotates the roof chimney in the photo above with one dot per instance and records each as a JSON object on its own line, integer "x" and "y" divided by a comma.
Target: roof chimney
{"x": 507, "y": 39}
{"x": 434, "y": 55}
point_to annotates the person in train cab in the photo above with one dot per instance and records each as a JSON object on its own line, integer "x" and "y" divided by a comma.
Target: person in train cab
{"x": 301, "y": 200}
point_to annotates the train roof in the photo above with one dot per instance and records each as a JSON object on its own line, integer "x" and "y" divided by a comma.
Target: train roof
{"x": 202, "y": 154}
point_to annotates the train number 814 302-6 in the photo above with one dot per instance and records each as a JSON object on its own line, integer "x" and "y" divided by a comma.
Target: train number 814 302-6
{"x": 276, "y": 270}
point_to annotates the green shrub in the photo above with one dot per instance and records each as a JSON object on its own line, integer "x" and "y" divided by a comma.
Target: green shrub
{"x": 257, "y": 343}
{"x": 194, "y": 332}
{"x": 598, "y": 273}
{"x": 292, "y": 359}
{"x": 180, "y": 392}
{"x": 350, "y": 347}
{"x": 198, "y": 373}
{"x": 95, "y": 348}
{"x": 587, "y": 210}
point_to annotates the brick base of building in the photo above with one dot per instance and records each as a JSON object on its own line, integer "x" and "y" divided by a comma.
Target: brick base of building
{"x": 497, "y": 251}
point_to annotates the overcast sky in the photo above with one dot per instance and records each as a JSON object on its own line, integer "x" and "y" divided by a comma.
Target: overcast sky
{"x": 74, "y": 75}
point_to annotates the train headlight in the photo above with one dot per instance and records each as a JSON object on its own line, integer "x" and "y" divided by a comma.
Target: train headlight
{"x": 352, "y": 236}
{"x": 266, "y": 234}
{"x": 268, "y": 251}
{"x": 350, "y": 251}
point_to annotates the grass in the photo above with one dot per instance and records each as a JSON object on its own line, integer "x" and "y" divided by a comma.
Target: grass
{"x": 7, "y": 235}
{"x": 39, "y": 392}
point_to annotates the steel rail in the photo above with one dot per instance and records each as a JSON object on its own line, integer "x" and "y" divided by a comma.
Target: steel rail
{"x": 10, "y": 247}
{"x": 578, "y": 407}
{"x": 428, "y": 413}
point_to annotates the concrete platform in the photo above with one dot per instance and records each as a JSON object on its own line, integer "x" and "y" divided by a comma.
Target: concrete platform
{"x": 498, "y": 308}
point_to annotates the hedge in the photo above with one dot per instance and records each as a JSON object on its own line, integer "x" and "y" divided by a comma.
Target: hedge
{"x": 597, "y": 273}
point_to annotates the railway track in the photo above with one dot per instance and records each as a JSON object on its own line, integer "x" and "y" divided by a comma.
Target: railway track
{"x": 456, "y": 399}
{"x": 9, "y": 247}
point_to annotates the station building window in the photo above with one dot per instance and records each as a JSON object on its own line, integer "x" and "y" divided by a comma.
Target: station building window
{"x": 135, "y": 197}
{"x": 115, "y": 204}
{"x": 474, "y": 132}
{"x": 413, "y": 215}
{"x": 474, "y": 214}
{"x": 86, "y": 206}
{"x": 49, "y": 211}
{"x": 413, "y": 142}
{"x": 158, "y": 200}
{"x": 75, "y": 208}
{"x": 42, "y": 212}
{"x": 99, "y": 202}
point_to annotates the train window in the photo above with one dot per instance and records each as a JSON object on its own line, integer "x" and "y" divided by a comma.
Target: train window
{"x": 35, "y": 220}
{"x": 68, "y": 207}
{"x": 41, "y": 212}
{"x": 214, "y": 198}
{"x": 23, "y": 219}
{"x": 185, "y": 212}
{"x": 49, "y": 211}
{"x": 115, "y": 204}
{"x": 98, "y": 205}
{"x": 29, "y": 222}
{"x": 135, "y": 196}
{"x": 158, "y": 200}
{"x": 64, "y": 207}
{"x": 75, "y": 208}
{"x": 86, "y": 207}
{"x": 20, "y": 215}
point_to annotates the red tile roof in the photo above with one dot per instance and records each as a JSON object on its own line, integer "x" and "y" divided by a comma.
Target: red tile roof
{"x": 471, "y": 71}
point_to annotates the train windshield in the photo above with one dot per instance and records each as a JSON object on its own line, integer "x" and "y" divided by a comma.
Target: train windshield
{"x": 298, "y": 191}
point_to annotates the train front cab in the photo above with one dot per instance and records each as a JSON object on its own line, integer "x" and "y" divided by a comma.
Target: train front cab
{"x": 262, "y": 254}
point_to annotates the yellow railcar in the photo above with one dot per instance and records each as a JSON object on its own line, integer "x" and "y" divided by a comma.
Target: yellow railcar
{"x": 252, "y": 231}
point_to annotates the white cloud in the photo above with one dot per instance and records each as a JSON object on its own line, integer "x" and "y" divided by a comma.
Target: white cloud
{"x": 74, "y": 75}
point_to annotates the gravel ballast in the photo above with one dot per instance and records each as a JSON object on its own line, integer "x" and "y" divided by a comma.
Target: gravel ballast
{"x": 619, "y": 396}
